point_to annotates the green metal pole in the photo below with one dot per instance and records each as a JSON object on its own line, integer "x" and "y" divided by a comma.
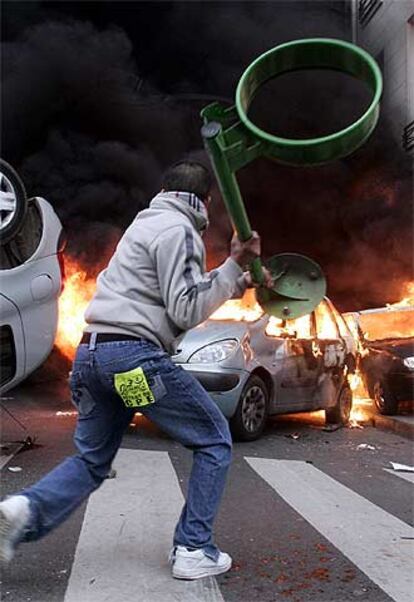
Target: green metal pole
{"x": 233, "y": 140}
{"x": 230, "y": 192}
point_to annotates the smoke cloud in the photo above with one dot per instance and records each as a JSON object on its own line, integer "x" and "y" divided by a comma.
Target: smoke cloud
{"x": 79, "y": 134}
{"x": 93, "y": 112}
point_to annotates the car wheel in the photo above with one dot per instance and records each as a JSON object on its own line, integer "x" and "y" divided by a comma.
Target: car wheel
{"x": 341, "y": 411}
{"x": 13, "y": 202}
{"x": 384, "y": 400}
{"x": 248, "y": 422}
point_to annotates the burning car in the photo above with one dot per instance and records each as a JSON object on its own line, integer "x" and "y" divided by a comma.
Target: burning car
{"x": 387, "y": 355}
{"x": 31, "y": 278}
{"x": 254, "y": 365}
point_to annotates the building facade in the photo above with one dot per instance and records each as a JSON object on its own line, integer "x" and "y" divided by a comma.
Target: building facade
{"x": 385, "y": 28}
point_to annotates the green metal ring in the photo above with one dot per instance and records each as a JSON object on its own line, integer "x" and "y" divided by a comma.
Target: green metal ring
{"x": 311, "y": 53}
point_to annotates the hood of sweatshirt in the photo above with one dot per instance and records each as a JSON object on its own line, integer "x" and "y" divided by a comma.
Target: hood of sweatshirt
{"x": 187, "y": 203}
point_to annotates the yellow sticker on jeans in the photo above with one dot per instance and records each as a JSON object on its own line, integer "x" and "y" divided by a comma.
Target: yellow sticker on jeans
{"x": 133, "y": 387}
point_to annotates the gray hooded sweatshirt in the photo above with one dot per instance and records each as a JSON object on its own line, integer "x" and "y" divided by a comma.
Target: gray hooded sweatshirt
{"x": 155, "y": 285}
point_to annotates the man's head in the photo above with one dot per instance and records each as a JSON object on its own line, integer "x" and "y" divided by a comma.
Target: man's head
{"x": 188, "y": 176}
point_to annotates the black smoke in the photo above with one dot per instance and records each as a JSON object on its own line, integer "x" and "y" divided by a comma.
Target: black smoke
{"x": 98, "y": 98}
{"x": 80, "y": 133}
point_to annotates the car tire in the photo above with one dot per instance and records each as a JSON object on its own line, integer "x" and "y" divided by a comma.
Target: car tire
{"x": 12, "y": 217}
{"x": 249, "y": 420}
{"x": 341, "y": 411}
{"x": 384, "y": 400}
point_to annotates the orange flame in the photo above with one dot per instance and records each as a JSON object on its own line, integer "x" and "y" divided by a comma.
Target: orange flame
{"x": 393, "y": 323}
{"x": 77, "y": 293}
{"x": 245, "y": 309}
{"x": 396, "y": 320}
{"x": 408, "y": 296}
{"x": 301, "y": 327}
{"x": 361, "y": 403}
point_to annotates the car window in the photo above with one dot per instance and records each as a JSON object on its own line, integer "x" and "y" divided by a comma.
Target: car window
{"x": 7, "y": 355}
{"x": 325, "y": 324}
{"x": 26, "y": 241}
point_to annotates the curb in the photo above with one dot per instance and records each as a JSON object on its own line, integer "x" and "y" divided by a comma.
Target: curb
{"x": 400, "y": 425}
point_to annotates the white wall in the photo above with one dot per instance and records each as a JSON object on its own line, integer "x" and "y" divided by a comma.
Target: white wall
{"x": 410, "y": 68}
{"x": 391, "y": 31}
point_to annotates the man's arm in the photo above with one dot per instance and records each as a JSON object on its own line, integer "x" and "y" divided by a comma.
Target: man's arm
{"x": 191, "y": 296}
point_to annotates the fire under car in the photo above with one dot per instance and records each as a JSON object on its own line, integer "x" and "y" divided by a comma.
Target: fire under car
{"x": 31, "y": 272}
{"x": 254, "y": 365}
{"x": 387, "y": 355}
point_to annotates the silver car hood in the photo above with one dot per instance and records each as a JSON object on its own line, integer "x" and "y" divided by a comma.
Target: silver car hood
{"x": 208, "y": 332}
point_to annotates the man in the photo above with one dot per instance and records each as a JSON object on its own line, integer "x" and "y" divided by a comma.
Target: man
{"x": 153, "y": 290}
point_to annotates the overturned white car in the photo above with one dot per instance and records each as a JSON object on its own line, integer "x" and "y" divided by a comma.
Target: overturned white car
{"x": 31, "y": 274}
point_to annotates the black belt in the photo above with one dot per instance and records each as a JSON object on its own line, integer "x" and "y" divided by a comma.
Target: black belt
{"x": 106, "y": 337}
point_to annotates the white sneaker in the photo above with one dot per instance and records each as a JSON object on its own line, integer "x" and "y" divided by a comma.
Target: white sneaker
{"x": 14, "y": 515}
{"x": 194, "y": 564}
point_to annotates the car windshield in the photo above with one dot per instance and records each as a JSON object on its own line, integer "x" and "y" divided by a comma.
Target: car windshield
{"x": 387, "y": 324}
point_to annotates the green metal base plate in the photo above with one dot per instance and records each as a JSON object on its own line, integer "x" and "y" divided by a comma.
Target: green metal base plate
{"x": 299, "y": 286}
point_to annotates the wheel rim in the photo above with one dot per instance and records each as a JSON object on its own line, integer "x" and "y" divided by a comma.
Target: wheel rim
{"x": 253, "y": 409}
{"x": 8, "y": 202}
{"x": 346, "y": 404}
{"x": 379, "y": 396}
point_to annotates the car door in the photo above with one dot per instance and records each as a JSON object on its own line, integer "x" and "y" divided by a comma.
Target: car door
{"x": 297, "y": 379}
{"x": 12, "y": 345}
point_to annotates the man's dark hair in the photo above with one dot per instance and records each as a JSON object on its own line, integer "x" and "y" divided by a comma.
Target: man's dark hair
{"x": 188, "y": 176}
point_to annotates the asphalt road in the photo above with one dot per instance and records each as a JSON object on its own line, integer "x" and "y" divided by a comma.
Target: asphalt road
{"x": 307, "y": 515}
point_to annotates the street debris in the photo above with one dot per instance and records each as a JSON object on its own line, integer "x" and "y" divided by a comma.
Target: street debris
{"x": 28, "y": 443}
{"x": 402, "y": 467}
{"x": 10, "y": 414}
{"x": 366, "y": 446}
{"x": 293, "y": 436}
{"x": 359, "y": 592}
{"x": 15, "y": 468}
{"x": 67, "y": 413}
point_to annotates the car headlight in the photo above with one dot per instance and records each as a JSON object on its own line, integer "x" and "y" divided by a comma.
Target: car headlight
{"x": 214, "y": 352}
{"x": 409, "y": 362}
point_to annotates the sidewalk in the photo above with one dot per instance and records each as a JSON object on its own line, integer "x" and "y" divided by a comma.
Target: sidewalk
{"x": 401, "y": 425}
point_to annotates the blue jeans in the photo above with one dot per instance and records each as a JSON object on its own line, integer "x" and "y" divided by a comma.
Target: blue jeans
{"x": 182, "y": 408}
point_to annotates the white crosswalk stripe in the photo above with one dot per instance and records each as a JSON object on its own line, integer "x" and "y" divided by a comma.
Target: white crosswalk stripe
{"x": 374, "y": 540}
{"x": 128, "y": 524}
{"x": 126, "y": 536}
